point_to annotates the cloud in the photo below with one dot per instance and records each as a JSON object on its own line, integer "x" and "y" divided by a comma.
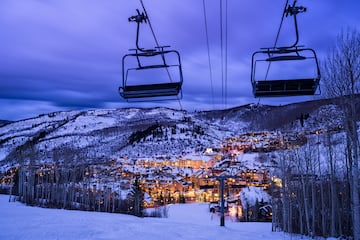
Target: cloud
{"x": 24, "y": 109}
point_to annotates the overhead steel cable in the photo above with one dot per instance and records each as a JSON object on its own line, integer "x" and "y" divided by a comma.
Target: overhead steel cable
{"x": 149, "y": 22}
{"x": 209, "y": 56}
{"x": 224, "y": 51}
{"x": 281, "y": 23}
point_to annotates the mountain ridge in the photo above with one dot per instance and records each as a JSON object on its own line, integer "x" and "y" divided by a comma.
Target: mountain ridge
{"x": 4, "y": 122}
{"x": 73, "y": 136}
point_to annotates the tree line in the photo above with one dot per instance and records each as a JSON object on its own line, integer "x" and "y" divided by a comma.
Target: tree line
{"x": 70, "y": 188}
{"x": 320, "y": 182}
{"x": 315, "y": 198}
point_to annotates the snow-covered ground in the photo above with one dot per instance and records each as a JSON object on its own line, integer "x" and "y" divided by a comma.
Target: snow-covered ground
{"x": 187, "y": 221}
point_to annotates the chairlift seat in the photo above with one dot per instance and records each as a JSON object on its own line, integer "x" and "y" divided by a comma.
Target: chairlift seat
{"x": 150, "y": 90}
{"x": 284, "y": 88}
{"x": 153, "y": 66}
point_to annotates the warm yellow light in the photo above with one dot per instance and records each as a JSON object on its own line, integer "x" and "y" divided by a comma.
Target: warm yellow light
{"x": 277, "y": 181}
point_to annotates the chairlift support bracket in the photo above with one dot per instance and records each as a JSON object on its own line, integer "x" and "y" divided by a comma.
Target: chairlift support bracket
{"x": 293, "y": 10}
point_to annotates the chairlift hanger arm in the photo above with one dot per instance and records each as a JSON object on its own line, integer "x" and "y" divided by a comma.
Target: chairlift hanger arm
{"x": 139, "y": 18}
{"x": 293, "y": 10}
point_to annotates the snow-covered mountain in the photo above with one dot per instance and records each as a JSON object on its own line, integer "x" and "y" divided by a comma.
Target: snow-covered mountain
{"x": 85, "y": 136}
{"x": 3, "y": 122}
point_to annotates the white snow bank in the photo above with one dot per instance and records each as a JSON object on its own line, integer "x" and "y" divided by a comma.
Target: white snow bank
{"x": 249, "y": 195}
{"x": 187, "y": 221}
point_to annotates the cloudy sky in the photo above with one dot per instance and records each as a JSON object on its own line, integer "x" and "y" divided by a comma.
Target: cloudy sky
{"x": 66, "y": 54}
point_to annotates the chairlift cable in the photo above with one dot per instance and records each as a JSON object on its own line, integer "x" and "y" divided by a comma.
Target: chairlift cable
{"x": 277, "y": 37}
{"x": 208, "y": 51}
{"x": 222, "y": 53}
{"x": 226, "y": 50}
{"x": 179, "y": 101}
{"x": 223, "y": 43}
{"x": 149, "y": 22}
{"x": 281, "y": 23}
{"x": 158, "y": 45}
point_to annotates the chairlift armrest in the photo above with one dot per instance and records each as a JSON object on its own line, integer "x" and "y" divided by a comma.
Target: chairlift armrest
{"x": 142, "y": 50}
{"x": 161, "y": 48}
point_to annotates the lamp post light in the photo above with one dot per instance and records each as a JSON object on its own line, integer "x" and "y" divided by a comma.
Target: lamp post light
{"x": 222, "y": 200}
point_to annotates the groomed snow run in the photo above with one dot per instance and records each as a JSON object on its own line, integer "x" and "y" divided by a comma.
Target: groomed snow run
{"x": 185, "y": 222}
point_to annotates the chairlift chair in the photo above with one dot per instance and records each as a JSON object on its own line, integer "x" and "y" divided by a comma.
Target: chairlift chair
{"x": 137, "y": 87}
{"x": 285, "y": 85}
{"x": 148, "y": 88}
{"x": 292, "y": 56}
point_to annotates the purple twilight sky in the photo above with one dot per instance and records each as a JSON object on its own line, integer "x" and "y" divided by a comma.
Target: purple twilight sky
{"x": 66, "y": 54}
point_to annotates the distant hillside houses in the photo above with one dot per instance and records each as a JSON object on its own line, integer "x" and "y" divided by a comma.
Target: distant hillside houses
{"x": 194, "y": 161}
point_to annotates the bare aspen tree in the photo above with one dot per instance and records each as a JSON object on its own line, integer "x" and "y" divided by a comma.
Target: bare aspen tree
{"x": 322, "y": 194}
{"x": 306, "y": 178}
{"x": 313, "y": 188}
{"x": 285, "y": 193}
{"x": 333, "y": 190}
{"x": 341, "y": 77}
